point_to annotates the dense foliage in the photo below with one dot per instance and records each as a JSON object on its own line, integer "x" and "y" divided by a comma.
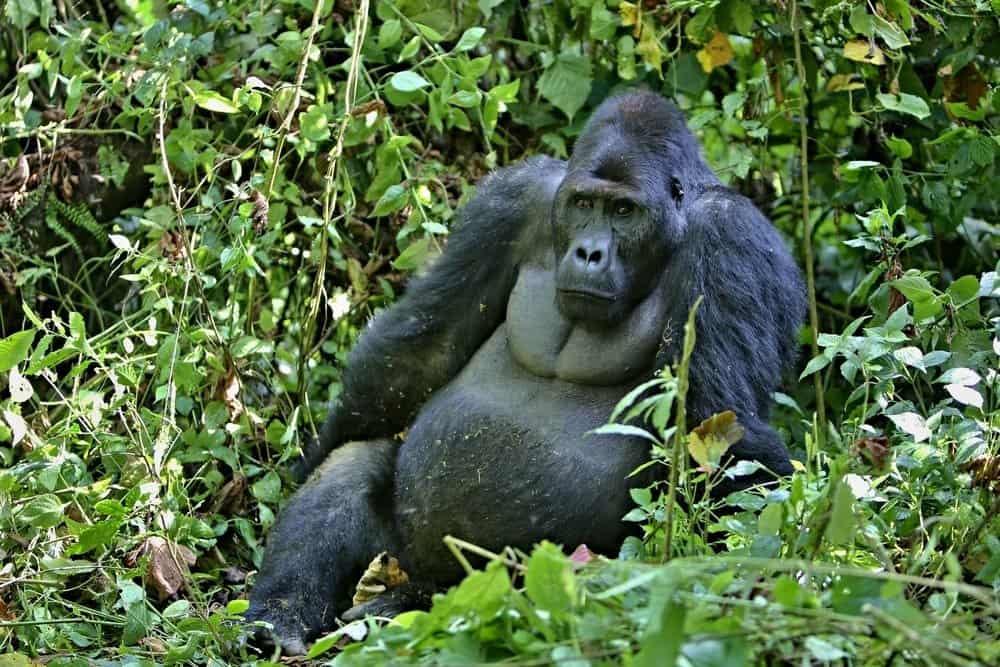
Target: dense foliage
{"x": 202, "y": 203}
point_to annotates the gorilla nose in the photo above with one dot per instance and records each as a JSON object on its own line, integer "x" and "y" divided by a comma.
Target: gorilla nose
{"x": 592, "y": 255}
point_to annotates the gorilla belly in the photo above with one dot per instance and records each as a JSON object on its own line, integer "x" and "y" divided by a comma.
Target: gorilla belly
{"x": 503, "y": 457}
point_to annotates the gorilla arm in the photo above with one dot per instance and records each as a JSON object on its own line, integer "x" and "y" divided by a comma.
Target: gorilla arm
{"x": 427, "y": 337}
{"x": 747, "y": 324}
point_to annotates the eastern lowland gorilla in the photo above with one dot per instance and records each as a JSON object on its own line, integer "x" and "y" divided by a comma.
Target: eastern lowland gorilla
{"x": 564, "y": 286}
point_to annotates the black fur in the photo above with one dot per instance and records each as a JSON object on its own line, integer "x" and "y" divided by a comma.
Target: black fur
{"x": 563, "y": 287}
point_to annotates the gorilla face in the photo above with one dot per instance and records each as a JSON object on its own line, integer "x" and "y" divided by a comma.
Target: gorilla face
{"x": 612, "y": 238}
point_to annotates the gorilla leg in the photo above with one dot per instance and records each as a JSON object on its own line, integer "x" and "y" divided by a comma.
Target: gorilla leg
{"x": 322, "y": 541}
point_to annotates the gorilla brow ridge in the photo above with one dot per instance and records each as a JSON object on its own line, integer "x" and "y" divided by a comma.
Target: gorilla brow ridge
{"x": 649, "y": 126}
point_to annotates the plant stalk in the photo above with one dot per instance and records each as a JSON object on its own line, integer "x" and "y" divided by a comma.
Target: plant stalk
{"x": 807, "y": 228}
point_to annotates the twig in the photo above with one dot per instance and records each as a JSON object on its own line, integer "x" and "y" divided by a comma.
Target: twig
{"x": 456, "y": 546}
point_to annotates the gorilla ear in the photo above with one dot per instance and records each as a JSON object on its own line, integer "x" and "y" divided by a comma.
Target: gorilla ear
{"x": 676, "y": 190}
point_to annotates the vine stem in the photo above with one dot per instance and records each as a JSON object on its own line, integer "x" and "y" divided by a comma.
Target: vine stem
{"x": 293, "y": 106}
{"x": 330, "y": 196}
{"x": 286, "y": 124}
{"x": 807, "y": 228}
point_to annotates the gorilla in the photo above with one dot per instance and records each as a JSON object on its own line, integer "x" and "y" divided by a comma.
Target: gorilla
{"x": 466, "y": 408}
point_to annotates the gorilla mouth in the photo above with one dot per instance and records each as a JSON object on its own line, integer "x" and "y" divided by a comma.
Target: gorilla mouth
{"x": 589, "y": 295}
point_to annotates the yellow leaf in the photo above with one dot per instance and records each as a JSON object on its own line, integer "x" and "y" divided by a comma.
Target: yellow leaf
{"x": 863, "y": 51}
{"x": 717, "y": 52}
{"x": 629, "y": 12}
{"x": 711, "y": 439}
{"x": 842, "y": 82}
{"x": 649, "y": 46}
{"x": 798, "y": 466}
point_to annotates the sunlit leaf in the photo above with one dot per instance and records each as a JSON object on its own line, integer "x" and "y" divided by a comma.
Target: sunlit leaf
{"x": 864, "y": 51}
{"x": 905, "y": 103}
{"x": 14, "y": 348}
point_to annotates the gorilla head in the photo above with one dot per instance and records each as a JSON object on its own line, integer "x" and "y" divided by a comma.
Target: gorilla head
{"x": 619, "y": 211}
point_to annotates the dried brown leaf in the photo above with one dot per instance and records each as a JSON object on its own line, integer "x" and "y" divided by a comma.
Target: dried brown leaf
{"x": 168, "y": 567}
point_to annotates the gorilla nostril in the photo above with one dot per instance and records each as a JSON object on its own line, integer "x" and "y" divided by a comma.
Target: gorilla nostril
{"x": 581, "y": 254}
{"x": 595, "y": 257}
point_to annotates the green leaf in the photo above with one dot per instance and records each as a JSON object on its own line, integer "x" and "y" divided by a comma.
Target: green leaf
{"x": 74, "y": 90}
{"x": 890, "y": 33}
{"x": 14, "y": 349}
{"x": 960, "y": 375}
{"x": 549, "y": 580}
{"x": 466, "y": 99}
{"x": 900, "y": 147}
{"x": 787, "y": 591}
{"x": 414, "y": 256}
{"x": 236, "y": 607}
{"x": 483, "y": 593}
{"x": 914, "y": 288}
{"x": 476, "y": 67}
{"x": 912, "y": 424}
{"x": 741, "y": 14}
{"x": 314, "y": 124}
{"x": 823, "y": 651}
{"x": 911, "y": 356}
{"x": 965, "y": 395}
{"x": 905, "y": 103}
{"x": 964, "y": 290}
{"x": 626, "y": 430}
{"x": 733, "y": 102}
{"x": 139, "y": 620}
{"x": 22, "y": 12}
{"x": 407, "y": 81}
{"x": 861, "y": 20}
{"x": 394, "y": 198}
{"x": 98, "y": 535}
{"x": 212, "y": 101}
{"x": 506, "y": 92}
{"x": 389, "y": 34}
{"x": 603, "y": 23}
{"x": 566, "y": 84}
{"x": 177, "y": 609}
{"x": 247, "y": 345}
{"x": 268, "y": 488}
{"x": 470, "y": 38}
{"x": 661, "y": 642}
{"x": 982, "y": 150}
{"x": 841, "y": 528}
{"x": 430, "y": 33}
{"x": 817, "y": 363}
{"x": 41, "y": 512}
{"x": 410, "y": 49}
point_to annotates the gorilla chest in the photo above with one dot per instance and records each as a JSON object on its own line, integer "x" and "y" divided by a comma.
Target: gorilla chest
{"x": 547, "y": 345}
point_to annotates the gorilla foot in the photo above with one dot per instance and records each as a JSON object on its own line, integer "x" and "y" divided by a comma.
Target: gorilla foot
{"x": 291, "y": 636}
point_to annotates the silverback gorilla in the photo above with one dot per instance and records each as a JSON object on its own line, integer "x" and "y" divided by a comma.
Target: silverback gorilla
{"x": 564, "y": 285}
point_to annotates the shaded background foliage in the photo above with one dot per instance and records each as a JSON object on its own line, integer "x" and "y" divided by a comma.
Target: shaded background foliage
{"x": 202, "y": 203}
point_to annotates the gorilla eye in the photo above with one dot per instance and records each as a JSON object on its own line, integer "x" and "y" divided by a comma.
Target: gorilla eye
{"x": 676, "y": 190}
{"x": 624, "y": 208}
{"x": 583, "y": 202}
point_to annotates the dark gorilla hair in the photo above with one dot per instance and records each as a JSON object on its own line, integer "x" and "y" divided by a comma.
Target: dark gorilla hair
{"x": 469, "y": 405}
